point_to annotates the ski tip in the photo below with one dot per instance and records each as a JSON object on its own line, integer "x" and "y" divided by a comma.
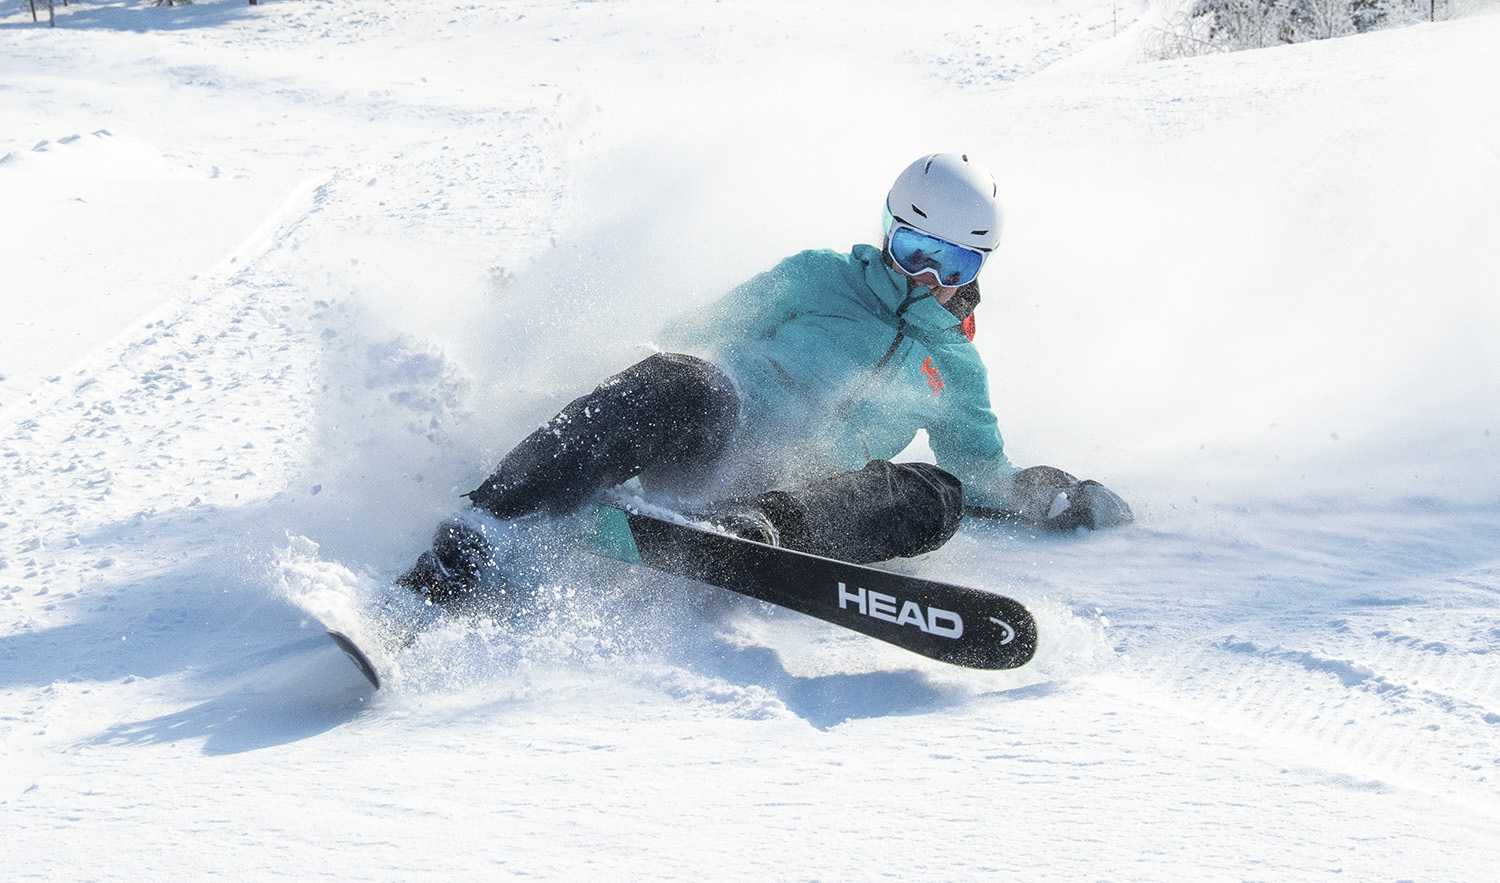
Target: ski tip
{"x": 357, "y": 656}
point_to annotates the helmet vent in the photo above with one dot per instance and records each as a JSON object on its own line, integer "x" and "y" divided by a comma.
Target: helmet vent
{"x": 978, "y": 232}
{"x": 919, "y": 211}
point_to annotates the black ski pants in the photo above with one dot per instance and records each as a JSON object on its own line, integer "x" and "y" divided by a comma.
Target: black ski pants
{"x": 677, "y": 413}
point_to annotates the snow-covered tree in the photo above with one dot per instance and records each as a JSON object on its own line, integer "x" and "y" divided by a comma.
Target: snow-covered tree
{"x": 1204, "y": 26}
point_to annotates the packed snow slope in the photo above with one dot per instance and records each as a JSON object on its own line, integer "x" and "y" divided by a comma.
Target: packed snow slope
{"x": 281, "y": 281}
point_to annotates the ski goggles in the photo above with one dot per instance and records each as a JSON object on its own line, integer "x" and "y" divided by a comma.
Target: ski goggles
{"x": 916, "y": 253}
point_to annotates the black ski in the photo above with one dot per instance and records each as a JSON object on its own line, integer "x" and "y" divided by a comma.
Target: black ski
{"x": 942, "y": 621}
{"x": 946, "y": 622}
{"x": 357, "y": 656}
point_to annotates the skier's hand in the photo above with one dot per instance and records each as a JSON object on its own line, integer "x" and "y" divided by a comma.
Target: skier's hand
{"x": 1094, "y": 506}
{"x": 1055, "y": 500}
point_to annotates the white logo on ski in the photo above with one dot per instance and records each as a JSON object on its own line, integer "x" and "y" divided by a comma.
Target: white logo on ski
{"x": 933, "y": 621}
{"x": 1010, "y": 633}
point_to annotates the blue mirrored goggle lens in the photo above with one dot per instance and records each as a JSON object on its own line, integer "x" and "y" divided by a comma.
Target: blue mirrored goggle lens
{"x": 916, "y": 253}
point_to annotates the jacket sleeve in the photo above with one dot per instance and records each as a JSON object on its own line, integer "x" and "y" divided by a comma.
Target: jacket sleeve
{"x": 966, "y": 438}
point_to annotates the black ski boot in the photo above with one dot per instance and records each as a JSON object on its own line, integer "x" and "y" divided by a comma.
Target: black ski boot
{"x": 453, "y": 568}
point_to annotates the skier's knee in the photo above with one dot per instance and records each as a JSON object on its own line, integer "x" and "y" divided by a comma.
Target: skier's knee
{"x": 690, "y": 406}
{"x": 669, "y": 411}
{"x": 689, "y": 385}
{"x": 932, "y": 500}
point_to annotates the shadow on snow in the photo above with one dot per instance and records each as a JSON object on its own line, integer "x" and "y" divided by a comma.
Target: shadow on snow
{"x": 212, "y": 620}
{"x": 825, "y": 701}
{"x": 138, "y": 16}
{"x": 295, "y": 699}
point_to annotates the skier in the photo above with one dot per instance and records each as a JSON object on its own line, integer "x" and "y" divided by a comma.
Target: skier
{"x": 777, "y": 419}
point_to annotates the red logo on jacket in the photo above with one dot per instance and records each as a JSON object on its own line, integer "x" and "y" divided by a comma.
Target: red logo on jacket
{"x": 933, "y": 375}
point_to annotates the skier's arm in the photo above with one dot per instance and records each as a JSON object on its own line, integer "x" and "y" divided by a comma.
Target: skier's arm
{"x": 968, "y": 444}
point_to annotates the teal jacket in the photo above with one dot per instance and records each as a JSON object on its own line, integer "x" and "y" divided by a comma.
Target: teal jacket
{"x": 838, "y": 365}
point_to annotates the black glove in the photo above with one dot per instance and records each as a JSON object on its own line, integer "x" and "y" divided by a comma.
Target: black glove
{"x": 1054, "y": 500}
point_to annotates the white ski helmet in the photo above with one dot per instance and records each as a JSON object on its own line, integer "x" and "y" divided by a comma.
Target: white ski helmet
{"x": 949, "y": 197}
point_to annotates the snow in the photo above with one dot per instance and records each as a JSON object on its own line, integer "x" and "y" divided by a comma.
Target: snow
{"x": 282, "y": 280}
